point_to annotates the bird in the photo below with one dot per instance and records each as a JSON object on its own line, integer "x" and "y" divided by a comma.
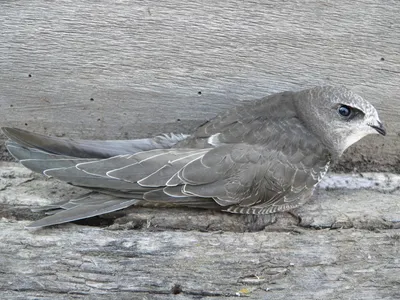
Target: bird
{"x": 259, "y": 157}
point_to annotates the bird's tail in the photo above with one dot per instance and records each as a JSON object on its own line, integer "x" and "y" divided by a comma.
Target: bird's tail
{"x": 89, "y": 205}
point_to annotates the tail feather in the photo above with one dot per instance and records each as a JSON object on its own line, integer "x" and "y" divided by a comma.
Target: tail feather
{"x": 89, "y": 206}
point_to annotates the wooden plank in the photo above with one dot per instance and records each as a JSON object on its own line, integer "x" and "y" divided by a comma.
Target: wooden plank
{"x": 344, "y": 245}
{"x": 135, "y": 68}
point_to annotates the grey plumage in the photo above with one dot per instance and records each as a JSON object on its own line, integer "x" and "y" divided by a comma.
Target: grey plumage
{"x": 260, "y": 157}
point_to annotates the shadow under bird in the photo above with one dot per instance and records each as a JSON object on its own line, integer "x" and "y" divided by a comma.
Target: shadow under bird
{"x": 260, "y": 157}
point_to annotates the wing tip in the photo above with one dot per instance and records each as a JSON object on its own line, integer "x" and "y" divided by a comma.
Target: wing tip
{"x": 12, "y": 132}
{"x": 6, "y": 130}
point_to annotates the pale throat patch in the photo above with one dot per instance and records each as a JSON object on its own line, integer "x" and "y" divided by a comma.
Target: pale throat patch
{"x": 355, "y": 137}
{"x": 214, "y": 140}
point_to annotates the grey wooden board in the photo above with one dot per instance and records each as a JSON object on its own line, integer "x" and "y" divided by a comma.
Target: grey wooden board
{"x": 346, "y": 246}
{"x": 144, "y": 63}
{"x": 88, "y": 263}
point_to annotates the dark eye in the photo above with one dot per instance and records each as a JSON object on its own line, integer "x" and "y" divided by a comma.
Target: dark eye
{"x": 345, "y": 110}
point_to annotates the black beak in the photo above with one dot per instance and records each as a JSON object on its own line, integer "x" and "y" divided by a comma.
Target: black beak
{"x": 380, "y": 128}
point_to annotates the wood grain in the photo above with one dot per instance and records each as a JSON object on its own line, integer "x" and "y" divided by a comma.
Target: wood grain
{"x": 342, "y": 245}
{"x": 89, "y": 263}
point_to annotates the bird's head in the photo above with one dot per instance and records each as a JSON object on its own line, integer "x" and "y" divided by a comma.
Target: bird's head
{"x": 338, "y": 116}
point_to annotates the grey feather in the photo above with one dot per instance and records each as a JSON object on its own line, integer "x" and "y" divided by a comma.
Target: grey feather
{"x": 259, "y": 157}
{"x": 19, "y": 152}
{"x": 77, "y": 177}
{"x": 44, "y": 164}
{"x": 87, "y": 148}
{"x": 82, "y": 211}
{"x": 168, "y": 169}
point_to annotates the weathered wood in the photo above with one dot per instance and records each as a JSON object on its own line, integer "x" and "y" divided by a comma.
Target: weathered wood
{"x": 134, "y": 68}
{"x": 131, "y": 69}
{"x": 91, "y": 263}
{"x": 342, "y": 245}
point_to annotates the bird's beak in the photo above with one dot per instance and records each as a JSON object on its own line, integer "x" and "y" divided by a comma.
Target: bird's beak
{"x": 380, "y": 128}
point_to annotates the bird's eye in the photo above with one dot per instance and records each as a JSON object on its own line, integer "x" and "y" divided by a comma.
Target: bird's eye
{"x": 345, "y": 111}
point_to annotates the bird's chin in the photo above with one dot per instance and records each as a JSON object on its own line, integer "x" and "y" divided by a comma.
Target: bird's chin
{"x": 354, "y": 138}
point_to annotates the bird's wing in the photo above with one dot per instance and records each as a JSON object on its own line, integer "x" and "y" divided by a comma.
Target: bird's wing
{"x": 116, "y": 193}
{"x": 89, "y": 148}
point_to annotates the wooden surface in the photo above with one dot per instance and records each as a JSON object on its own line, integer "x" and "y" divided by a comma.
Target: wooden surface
{"x": 106, "y": 69}
{"x": 124, "y": 69}
{"x": 342, "y": 245}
